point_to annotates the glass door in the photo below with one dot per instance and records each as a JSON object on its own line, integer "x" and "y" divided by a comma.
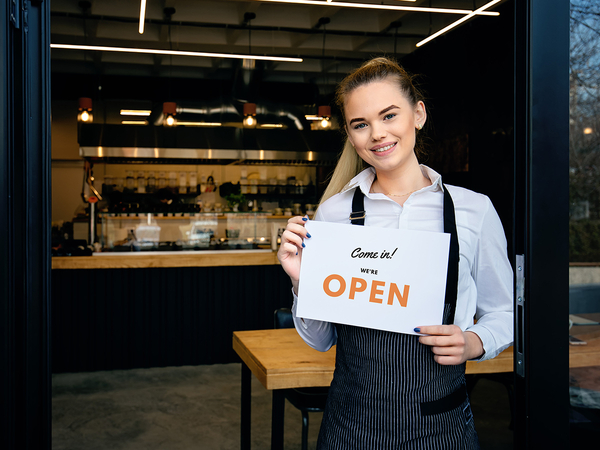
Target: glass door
{"x": 584, "y": 223}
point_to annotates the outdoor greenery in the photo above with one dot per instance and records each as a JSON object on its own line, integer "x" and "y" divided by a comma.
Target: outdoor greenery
{"x": 584, "y": 131}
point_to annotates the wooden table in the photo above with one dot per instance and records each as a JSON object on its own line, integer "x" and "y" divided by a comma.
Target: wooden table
{"x": 281, "y": 360}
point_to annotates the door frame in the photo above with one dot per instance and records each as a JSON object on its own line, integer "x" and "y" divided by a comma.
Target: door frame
{"x": 540, "y": 232}
{"x": 25, "y": 379}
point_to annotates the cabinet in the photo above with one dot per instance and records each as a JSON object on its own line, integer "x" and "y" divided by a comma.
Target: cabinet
{"x": 188, "y": 231}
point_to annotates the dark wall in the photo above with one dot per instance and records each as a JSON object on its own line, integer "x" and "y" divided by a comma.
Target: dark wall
{"x": 132, "y": 318}
{"x": 468, "y": 79}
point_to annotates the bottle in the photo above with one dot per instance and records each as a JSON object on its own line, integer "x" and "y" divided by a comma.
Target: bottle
{"x": 162, "y": 180}
{"x": 130, "y": 181}
{"x": 193, "y": 183}
{"x": 182, "y": 182}
{"x": 151, "y": 185}
{"x": 244, "y": 182}
{"x": 141, "y": 183}
{"x": 173, "y": 181}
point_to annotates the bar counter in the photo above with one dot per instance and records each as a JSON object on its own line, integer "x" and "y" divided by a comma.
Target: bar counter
{"x": 147, "y": 260}
{"x": 155, "y": 309}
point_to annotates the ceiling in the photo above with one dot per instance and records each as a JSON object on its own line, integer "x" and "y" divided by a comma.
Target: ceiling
{"x": 331, "y": 40}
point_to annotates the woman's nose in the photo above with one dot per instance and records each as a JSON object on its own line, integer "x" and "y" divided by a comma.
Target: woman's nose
{"x": 378, "y": 132}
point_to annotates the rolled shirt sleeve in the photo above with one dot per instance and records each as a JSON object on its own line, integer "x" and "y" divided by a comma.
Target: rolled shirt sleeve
{"x": 493, "y": 277}
{"x": 318, "y": 334}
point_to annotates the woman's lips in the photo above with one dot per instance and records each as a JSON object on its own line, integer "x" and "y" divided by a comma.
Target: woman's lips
{"x": 383, "y": 148}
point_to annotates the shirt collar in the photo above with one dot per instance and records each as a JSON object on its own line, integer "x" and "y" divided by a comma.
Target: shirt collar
{"x": 365, "y": 179}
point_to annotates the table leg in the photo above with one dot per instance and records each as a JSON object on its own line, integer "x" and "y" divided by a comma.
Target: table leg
{"x": 246, "y": 407}
{"x": 277, "y": 420}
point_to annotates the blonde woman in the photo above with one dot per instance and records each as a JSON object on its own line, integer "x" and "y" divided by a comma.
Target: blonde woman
{"x": 393, "y": 390}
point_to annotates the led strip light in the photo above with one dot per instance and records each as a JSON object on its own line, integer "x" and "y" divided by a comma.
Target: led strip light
{"x": 458, "y": 22}
{"x": 173, "y": 52}
{"x": 142, "y": 15}
{"x": 383, "y": 7}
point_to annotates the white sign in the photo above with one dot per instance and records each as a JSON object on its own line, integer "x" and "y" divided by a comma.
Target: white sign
{"x": 381, "y": 278}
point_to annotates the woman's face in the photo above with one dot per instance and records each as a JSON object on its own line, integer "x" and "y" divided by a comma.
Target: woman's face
{"x": 381, "y": 125}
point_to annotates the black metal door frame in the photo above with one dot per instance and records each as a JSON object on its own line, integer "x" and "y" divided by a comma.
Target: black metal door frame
{"x": 541, "y": 223}
{"x": 540, "y": 232}
{"x": 25, "y": 400}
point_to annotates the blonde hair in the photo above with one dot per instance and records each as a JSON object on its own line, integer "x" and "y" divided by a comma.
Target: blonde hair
{"x": 349, "y": 163}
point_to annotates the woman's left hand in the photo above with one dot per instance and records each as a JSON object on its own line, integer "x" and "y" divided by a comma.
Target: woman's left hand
{"x": 450, "y": 345}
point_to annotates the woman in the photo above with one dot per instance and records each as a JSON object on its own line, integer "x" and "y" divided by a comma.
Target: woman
{"x": 393, "y": 390}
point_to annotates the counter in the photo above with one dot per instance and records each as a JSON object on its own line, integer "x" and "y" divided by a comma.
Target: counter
{"x": 145, "y": 260}
{"x": 157, "y": 309}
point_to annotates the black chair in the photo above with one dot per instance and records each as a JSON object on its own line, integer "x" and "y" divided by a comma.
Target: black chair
{"x": 307, "y": 400}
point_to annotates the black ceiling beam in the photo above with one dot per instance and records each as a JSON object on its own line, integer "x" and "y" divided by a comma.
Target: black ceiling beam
{"x": 229, "y": 26}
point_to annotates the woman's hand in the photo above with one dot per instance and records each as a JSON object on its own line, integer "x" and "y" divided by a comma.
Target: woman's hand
{"x": 290, "y": 250}
{"x": 450, "y": 345}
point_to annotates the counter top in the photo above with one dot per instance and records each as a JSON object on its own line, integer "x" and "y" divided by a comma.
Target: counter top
{"x": 144, "y": 260}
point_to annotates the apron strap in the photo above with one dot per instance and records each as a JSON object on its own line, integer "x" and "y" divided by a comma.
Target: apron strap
{"x": 453, "y": 255}
{"x": 358, "y": 208}
{"x": 358, "y": 218}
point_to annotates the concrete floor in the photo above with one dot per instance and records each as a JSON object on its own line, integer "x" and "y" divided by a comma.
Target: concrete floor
{"x": 199, "y": 408}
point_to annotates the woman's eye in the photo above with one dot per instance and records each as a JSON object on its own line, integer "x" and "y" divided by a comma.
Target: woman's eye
{"x": 359, "y": 126}
{"x": 389, "y": 116}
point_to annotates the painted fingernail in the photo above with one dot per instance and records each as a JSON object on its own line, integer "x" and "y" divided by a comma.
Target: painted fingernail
{"x": 417, "y": 330}
{"x": 303, "y": 245}
{"x": 296, "y": 253}
{"x": 305, "y": 218}
{"x": 308, "y": 235}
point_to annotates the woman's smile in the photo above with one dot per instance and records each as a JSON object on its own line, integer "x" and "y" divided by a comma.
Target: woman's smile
{"x": 383, "y": 148}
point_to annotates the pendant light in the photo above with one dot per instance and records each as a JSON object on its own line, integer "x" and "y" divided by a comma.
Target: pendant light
{"x": 169, "y": 112}
{"x": 85, "y": 110}
{"x": 249, "y": 115}
{"x": 325, "y": 115}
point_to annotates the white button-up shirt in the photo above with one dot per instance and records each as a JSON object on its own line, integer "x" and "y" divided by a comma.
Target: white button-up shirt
{"x": 485, "y": 284}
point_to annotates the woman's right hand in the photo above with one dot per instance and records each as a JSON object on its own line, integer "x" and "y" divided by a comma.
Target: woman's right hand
{"x": 290, "y": 250}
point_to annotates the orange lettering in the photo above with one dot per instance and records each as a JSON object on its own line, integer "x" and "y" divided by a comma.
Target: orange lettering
{"x": 354, "y": 286}
{"x": 328, "y": 280}
{"x": 403, "y": 299}
{"x": 375, "y": 291}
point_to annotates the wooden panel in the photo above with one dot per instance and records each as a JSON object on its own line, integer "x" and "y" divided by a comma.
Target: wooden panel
{"x": 123, "y": 319}
{"x": 140, "y": 260}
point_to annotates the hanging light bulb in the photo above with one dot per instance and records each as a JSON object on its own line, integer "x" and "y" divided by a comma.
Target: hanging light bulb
{"x": 169, "y": 111}
{"x": 85, "y": 110}
{"x": 325, "y": 114}
{"x": 250, "y": 115}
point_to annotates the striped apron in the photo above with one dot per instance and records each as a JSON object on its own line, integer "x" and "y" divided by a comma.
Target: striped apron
{"x": 387, "y": 391}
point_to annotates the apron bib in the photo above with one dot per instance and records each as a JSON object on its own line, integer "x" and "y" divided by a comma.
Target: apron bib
{"x": 387, "y": 391}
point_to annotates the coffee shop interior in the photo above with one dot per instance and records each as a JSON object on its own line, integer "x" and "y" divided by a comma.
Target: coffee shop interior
{"x": 185, "y": 133}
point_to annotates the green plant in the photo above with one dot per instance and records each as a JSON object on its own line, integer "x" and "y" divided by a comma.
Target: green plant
{"x": 235, "y": 199}
{"x": 584, "y": 240}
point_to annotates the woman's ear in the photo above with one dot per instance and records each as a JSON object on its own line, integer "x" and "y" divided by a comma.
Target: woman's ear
{"x": 420, "y": 113}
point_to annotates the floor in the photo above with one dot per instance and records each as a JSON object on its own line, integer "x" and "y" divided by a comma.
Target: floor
{"x": 199, "y": 408}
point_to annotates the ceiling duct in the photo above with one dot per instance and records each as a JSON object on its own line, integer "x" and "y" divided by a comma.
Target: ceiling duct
{"x": 215, "y": 145}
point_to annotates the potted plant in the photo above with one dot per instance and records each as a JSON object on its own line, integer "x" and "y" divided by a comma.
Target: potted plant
{"x": 234, "y": 201}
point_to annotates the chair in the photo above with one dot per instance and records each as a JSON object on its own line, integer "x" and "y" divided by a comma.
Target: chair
{"x": 305, "y": 399}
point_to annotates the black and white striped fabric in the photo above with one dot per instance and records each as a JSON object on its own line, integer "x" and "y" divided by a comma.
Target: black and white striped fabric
{"x": 388, "y": 392}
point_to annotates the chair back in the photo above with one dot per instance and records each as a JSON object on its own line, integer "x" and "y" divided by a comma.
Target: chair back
{"x": 283, "y": 318}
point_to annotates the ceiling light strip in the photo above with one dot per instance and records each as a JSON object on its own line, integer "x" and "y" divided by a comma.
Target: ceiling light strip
{"x": 142, "y": 15}
{"x": 173, "y": 52}
{"x": 199, "y": 124}
{"x": 458, "y": 22}
{"x": 135, "y": 112}
{"x": 383, "y": 7}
